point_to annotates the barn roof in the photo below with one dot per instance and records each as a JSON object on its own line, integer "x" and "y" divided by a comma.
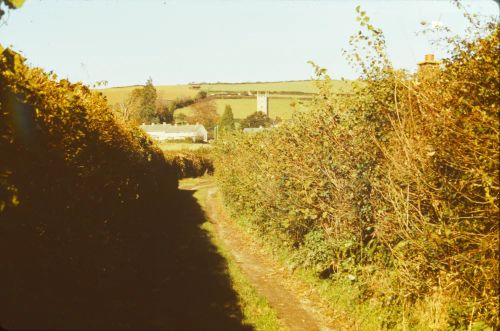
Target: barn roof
{"x": 169, "y": 128}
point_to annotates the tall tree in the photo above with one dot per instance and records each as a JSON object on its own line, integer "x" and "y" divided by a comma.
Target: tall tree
{"x": 164, "y": 111}
{"x": 226, "y": 122}
{"x": 147, "y": 111}
{"x": 128, "y": 109}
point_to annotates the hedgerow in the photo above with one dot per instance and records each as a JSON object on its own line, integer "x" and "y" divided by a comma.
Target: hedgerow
{"x": 61, "y": 143}
{"x": 398, "y": 180}
{"x": 80, "y": 195}
{"x": 190, "y": 162}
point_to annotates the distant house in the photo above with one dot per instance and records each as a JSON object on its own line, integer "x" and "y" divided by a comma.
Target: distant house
{"x": 161, "y": 132}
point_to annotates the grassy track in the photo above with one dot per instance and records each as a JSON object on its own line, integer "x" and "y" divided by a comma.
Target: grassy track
{"x": 256, "y": 309}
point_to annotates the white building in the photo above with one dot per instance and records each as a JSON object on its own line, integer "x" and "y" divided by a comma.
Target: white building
{"x": 160, "y": 132}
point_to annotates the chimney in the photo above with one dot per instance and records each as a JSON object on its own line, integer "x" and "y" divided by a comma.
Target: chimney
{"x": 428, "y": 67}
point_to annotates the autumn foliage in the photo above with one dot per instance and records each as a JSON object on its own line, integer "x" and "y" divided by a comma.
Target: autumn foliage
{"x": 62, "y": 145}
{"x": 394, "y": 187}
{"x": 79, "y": 197}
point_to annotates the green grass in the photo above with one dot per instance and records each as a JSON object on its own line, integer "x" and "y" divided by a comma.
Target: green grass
{"x": 241, "y": 107}
{"x": 278, "y": 107}
{"x": 167, "y": 92}
{"x": 343, "y": 297}
{"x": 305, "y": 86}
{"x": 347, "y": 299}
{"x": 256, "y": 309}
{"x": 171, "y": 92}
{"x": 279, "y": 103}
{"x": 297, "y": 86}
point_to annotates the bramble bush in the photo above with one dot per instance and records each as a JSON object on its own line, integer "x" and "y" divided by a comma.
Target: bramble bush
{"x": 398, "y": 179}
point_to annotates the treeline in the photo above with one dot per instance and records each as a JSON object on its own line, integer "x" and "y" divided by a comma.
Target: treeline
{"x": 393, "y": 190}
{"x": 144, "y": 105}
{"x": 79, "y": 197}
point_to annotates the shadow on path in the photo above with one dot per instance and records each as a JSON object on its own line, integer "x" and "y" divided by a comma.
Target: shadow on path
{"x": 147, "y": 266}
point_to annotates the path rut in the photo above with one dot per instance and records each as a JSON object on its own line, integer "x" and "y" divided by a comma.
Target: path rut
{"x": 296, "y": 311}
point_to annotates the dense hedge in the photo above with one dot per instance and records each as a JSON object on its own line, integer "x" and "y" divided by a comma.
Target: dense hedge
{"x": 190, "y": 162}
{"x": 61, "y": 146}
{"x": 79, "y": 198}
{"x": 396, "y": 185}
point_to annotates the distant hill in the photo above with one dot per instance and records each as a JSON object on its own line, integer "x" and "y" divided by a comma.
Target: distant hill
{"x": 241, "y": 96}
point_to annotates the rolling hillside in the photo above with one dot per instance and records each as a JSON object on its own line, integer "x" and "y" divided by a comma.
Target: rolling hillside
{"x": 241, "y": 96}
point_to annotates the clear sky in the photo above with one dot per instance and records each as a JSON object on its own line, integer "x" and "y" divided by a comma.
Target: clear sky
{"x": 175, "y": 42}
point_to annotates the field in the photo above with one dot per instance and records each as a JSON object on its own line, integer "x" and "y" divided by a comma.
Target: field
{"x": 306, "y": 86}
{"x": 278, "y": 107}
{"x": 282, "y": 95}
{"x": 169, "y": 92}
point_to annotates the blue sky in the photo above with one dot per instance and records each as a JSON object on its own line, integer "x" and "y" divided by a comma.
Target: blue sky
{"x": 175, "y": 42}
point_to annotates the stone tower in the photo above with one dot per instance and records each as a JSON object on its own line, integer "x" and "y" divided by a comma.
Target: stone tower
{"x": 263, "y": 103}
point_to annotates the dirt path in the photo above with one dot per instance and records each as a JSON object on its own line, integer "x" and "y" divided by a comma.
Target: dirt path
{"x": 295, "y": 306}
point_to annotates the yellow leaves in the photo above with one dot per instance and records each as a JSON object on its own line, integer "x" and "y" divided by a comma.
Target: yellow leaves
{"x": 15, "y": 3}
{"x": 75, "y": 126}
{"x": 14, "y": 200}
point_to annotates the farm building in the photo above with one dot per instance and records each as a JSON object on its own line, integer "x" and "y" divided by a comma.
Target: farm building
{"x": 255, "y": 130}
{"x": 160, "y": 132}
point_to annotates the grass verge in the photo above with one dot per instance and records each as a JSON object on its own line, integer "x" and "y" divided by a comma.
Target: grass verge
{"x": 256, "y": 309}
{"x": 351, "y": 303}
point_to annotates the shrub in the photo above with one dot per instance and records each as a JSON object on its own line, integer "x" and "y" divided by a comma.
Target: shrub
{"x": 189, "y": 162}
{"x": 402, "y": 176}
{"x": 77, "y": 193}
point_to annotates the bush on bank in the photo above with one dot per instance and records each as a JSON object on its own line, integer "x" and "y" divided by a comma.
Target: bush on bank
{"x": 398, "y": 181}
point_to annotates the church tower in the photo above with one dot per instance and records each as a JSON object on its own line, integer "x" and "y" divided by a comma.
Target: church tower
{"x": 263, "y": 103}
